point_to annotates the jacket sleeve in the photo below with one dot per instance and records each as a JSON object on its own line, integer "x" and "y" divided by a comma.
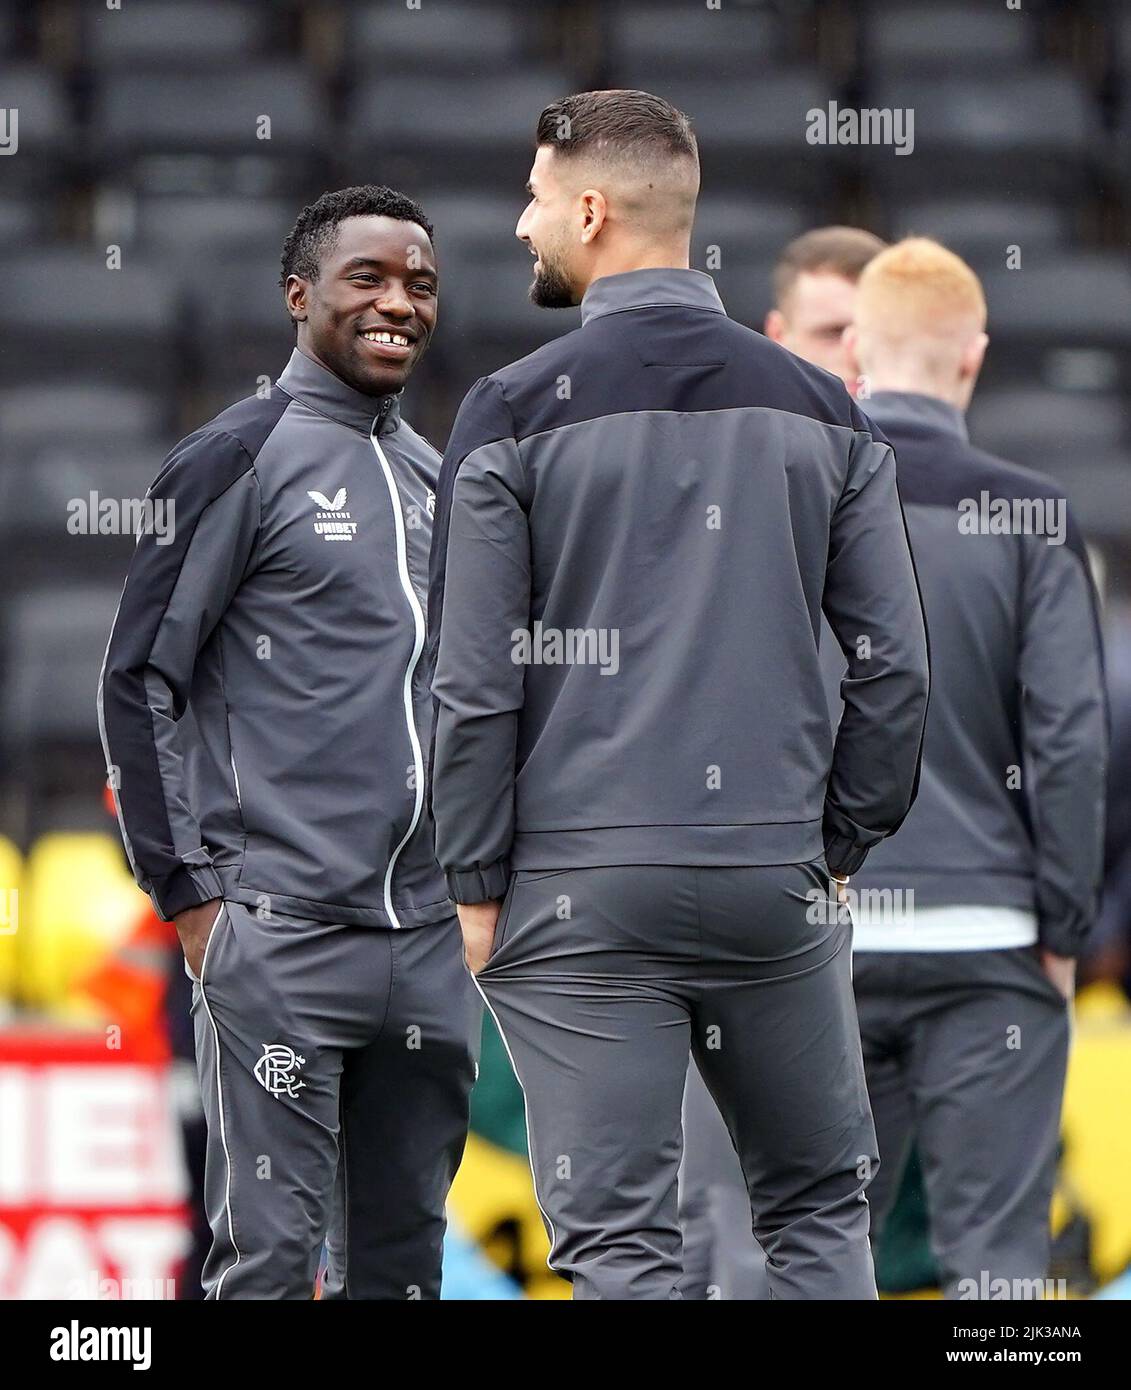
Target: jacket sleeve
{"x": 872, "y": 603}
{"x": 177, "y": 587}
{"x": 1064, "y": 730}
{"x": 479, "y": 597}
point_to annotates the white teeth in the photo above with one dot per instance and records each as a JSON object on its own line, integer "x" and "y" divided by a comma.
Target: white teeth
{"x": 376, "y": 336}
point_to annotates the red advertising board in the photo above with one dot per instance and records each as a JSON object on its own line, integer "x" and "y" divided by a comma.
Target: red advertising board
{"x": 92, "y": 1181}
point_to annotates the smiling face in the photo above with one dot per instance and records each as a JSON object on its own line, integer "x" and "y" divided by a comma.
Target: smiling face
{"x": 369, "y": 315}
{"x": 549, "y": 226}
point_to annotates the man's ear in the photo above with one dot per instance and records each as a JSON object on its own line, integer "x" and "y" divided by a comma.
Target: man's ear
{"x": 594, "y": 210}
{"x": 973, "y": 355}
{"x": 774, "y": 327}
{"x": 295, "y": 295}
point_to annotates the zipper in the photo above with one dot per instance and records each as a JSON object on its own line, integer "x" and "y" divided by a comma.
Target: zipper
{"x": 410, "y": 670}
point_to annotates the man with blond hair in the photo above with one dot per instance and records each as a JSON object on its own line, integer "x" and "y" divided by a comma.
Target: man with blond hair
{"x": 968, "y": 922}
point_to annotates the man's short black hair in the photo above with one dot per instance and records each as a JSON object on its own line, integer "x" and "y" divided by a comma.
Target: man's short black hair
{"x": 317, "y": 227}
{"x": 620, "y": 121}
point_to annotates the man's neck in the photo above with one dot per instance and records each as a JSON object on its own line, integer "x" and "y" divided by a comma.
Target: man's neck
{"x": 654, "y": 258}
{"x": 912, "y": 383}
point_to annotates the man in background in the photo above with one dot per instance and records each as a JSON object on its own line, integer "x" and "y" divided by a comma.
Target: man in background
{"x": 814, "y": 283}
{"x": 815, "y": 293}
{"x": 969, "y": 922}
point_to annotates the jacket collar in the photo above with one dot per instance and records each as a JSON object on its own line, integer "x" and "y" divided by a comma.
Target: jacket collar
{"x": 308, "y": 381}
{"x": 911, "y": 408}
{"x": 643, "y": 289}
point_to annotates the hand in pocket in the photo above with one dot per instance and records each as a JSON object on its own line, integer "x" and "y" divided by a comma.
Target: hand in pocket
{"x": 194, "y": 927}
{"x": 477, "y": 922}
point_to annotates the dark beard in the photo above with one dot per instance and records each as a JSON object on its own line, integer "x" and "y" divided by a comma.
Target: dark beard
{"x": 551, "y": 290}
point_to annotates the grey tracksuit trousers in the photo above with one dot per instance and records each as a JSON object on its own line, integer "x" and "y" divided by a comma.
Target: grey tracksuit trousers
{"x": 331, "y": 1053}
{"x": 603, "y": 981}
{"x": 965, "y": 1050}
{"x": 721, "y": 1258}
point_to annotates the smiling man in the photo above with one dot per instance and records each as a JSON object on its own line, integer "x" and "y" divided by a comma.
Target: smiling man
{"x": 264, "y": 715}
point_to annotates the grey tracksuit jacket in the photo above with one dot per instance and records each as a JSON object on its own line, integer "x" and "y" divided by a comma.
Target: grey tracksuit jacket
{"x": 262, "y": 704}
{"x": 637, "y": 527}
{"x": 1010, "y": 806}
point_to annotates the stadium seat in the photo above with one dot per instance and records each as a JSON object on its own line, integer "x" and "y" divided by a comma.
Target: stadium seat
{"x": 947, "y": 36}
{"x": 467, "y": 36}
{"x": 24, "y": 220}
{"x": 980, "y": 229}
{"x": 45, "y": 129}
{"x": 240, "y": 325}
{"x": 421, "y": 131}
{"x": 1022, "y": 131}
{"x": 60, "y": 634}
{"x": 752, "y": 129}
{"x": 48, "y": 491}
{"x": 10, "y": 36}
{"x": 489, "y": 319}
{"x": 71, "y": 314}
{"x": 470, "y": 220}
{"x": 1097, "y": 484}
{"x": 189, "y": 226}
{"x": 1120, "y": 163}
{"x": 191, "y": 33}
{"x": 744, "y": 229}
{"x": 1015, "y": 422}
{"x": 1122, "y": 45}
{"x": 44, "y": 411}
{"x": 746, "y": 290}
{"x": 1083, "y": 298}
{"x": 684, "y": 39}
{"x": 210, "y": 115}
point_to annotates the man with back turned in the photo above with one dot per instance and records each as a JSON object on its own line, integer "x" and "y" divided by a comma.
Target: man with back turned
{"x": 634, "y": 781}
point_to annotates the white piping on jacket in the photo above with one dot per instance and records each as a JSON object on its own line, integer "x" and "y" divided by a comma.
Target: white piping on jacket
{"x": 410, "y": 669}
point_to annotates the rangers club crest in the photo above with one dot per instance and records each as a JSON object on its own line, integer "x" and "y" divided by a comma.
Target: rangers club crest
{"x": 275, "y": 1070}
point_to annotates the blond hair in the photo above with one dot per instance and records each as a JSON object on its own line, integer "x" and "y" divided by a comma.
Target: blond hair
{"x": 918, "y": 289}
